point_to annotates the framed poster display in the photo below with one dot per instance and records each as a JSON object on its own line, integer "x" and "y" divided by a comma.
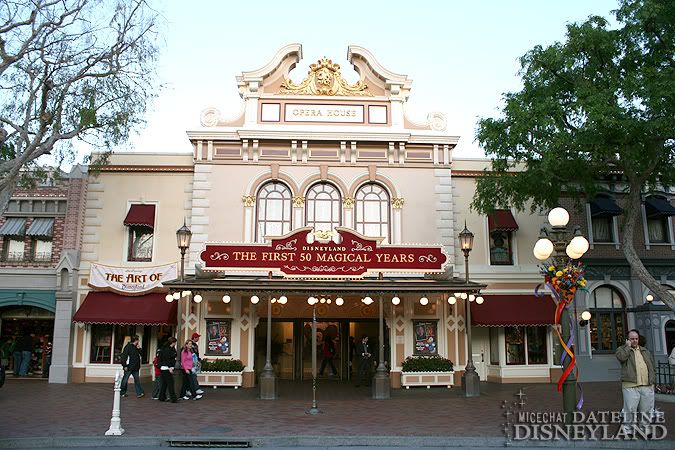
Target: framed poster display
{"x": 426, "y": 337}
{"x": 218, "y": 337}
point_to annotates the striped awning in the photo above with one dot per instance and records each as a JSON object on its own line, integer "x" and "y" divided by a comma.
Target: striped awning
{"x": 14, "y": 226}
{"x": 41, "y": 227}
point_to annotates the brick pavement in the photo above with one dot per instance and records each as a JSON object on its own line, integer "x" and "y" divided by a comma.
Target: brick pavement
{"x": 38, "y": 409}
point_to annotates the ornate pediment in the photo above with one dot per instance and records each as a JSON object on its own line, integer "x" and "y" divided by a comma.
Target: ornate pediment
{"x": 324, "y": 78}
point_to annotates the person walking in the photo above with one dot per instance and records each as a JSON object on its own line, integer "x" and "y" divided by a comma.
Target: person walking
{"x": 131, "y": 363}
{"x": 328, "y": 355}
{"x": 187, "y": 359}
{"x": 637, "y": 382}
{"x": 197, "y": 360}
{"x": 167, "y": 363}
{"x": 156, "y": 385}
{"x": 363, "y": 352}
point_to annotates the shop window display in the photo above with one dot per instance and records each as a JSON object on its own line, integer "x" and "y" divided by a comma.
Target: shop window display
{"x": 107, "y": 342}
{"x": 526, "y": 345}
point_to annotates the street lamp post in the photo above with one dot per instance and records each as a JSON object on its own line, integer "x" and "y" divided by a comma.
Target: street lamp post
{"x": 183, "y": 236}
{"x": 563, "y": 244}
{"x": 268, "y": 380}
{"x": 381, "y": 384}
{"x": 314, "y": 410}
{"x": 470, "y": 379}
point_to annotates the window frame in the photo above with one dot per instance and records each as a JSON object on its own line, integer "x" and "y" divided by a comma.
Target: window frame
{"x": 666, "y": 225}
{"x": 612, "y": 312}
{"x": 509, "y": 240}
{"x": 130, "y": 238}
{"x": 335, "y": 206}
{"x": 115, "y": 338}
{"x": 286, "y": 203}
{"x": 34, "y": 249}
{"x": 524, "y": 331}
{"x": 360, "y": 226}
{"x": 7, "y": 243}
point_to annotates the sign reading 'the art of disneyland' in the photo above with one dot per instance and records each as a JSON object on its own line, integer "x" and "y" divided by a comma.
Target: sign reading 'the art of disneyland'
{"x": 131, "y": 280}
{"x": 341, "y": 253}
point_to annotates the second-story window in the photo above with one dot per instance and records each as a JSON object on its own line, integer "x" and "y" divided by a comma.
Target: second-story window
{"x": 273, "y": 210}
{"x": 502, "y": 225}
{"x": 140, "y": 221}
{"x": 371, "y": 215}
{"x": 603, "y": 219}
{"x": 13, "y": 232}
{"x": 323, "y": 207}
{"x": 658, "y": 211}
{"x": 41, "y": 231}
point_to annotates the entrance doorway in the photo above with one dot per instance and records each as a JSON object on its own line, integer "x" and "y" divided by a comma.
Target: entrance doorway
{"x": 37, "y": 325}
{"x": 291, "y": 352}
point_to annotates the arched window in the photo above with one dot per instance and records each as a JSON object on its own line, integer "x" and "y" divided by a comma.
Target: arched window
{"x": 323, "y": 207}
{"x": 608, "y": 320}
{"x": 371, "y": 215}
{"x": 274, "y": 210}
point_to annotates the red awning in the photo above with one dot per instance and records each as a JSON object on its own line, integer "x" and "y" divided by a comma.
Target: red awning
{"x": 143, "y": 215}
{"x": 507, "y": 310}
{"x": 502, "y": 220}
{"x": 111, "y": 308}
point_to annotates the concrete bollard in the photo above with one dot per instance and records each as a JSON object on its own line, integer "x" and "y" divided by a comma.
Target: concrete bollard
{"x": 115, "y": 422}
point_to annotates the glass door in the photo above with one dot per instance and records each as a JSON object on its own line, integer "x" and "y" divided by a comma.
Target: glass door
{"x": 283, "y": 352}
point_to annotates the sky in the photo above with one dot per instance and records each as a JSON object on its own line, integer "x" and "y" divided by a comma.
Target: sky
{"x": 461, "y": 55}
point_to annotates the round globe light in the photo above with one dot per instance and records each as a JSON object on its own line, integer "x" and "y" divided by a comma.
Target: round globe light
{"x": 572, "y": 254}
{"x": 168, "y": 298}
{"x": 226, "y": 298}
{"x": 586, "y": 315}
{"x": 649, "y": 298}
{"x": 328, "y": 301}
{"x": 395, "y": 300}
{"x": 339, "y": 301}
{"x": 176, "y": 295}
{"x": 472, "y": 297}
{"x": 367, "y": 300}
{"x": 255, "y": 299}
{"x": 463, "y": 295}
{"x": 323, "y": 300}
{"x": 273, "y": 300}
{"x": 197, "y": 298}
{"x": 424, "y": 301}
{"x": 480, "y": 300}
{"x": 185, "y": 293}
{"x": 579, "y": 244}
{"x": 283, "y": 299}
{"x": 452, "y": 300}
{"x": 543, "y": 249}
{"x": 558, "y": 217}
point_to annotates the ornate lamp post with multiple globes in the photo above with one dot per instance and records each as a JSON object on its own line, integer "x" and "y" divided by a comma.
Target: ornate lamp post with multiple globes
{"x": 563, "y": 244}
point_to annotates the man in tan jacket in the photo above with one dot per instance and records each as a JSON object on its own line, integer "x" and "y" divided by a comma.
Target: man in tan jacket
{"x": 637, "y": 380}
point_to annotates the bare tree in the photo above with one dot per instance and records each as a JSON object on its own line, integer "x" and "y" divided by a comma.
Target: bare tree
{"x": 69, "y": 70}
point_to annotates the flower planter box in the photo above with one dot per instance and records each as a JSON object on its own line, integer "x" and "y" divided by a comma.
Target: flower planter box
{"x": 215, "y": 379}
{"x": 427, "y": 379}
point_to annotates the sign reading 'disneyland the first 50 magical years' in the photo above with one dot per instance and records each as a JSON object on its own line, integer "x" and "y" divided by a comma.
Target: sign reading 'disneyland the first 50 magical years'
{"x": 342, "y": 253}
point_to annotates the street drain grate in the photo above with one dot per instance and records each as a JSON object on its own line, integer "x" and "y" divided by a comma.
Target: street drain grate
{"x": 209, "y": 444}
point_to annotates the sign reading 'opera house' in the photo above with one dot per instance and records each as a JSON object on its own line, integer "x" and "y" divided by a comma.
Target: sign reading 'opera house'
{"x": 304, "y": 253}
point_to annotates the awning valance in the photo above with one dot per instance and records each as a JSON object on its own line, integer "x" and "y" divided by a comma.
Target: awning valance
{"x": 658, "y": 207}
{"x": 510, "y": 310}
{"x": 605, "y": 207}
{"x": 41, "y": 227}
{"x": 14, "y": 226}
{"x": 141, "y": 215}
{"x": 111, "y": 308}
{"x": 502, "y": 220}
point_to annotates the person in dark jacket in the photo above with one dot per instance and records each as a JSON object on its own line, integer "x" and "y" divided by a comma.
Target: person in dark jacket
{"x": 131, "y": 362}
{"x": 24, "y": 346}
{"x": 167, "y": 362}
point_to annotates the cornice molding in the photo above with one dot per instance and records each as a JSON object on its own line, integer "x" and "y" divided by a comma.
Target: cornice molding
{"x": 146, "y": 168}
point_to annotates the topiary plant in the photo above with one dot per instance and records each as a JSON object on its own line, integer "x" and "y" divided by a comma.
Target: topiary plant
{"x": 427, "y": 364}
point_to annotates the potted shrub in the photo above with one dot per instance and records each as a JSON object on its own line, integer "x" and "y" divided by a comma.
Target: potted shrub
{"x": 427, "y": 371}
{"x": 221, "y": 372}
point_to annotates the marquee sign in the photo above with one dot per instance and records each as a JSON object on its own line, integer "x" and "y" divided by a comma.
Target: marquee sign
{"x": 130, "y": 280}
{"x": 343, "y": 253}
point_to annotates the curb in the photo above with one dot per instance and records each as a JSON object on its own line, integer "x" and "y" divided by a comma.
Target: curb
{"x": 311, "y": 441}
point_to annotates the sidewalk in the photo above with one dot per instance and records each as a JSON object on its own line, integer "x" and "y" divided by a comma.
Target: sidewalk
{"x": 55, "y": 415}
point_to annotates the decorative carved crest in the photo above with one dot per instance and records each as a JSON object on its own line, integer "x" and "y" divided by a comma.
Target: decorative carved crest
{"x": 397, "y": 203}
{"x": 324, "y": 78}
{"x": 348, "y": 202}
{"x": 249, "y": 200}
{"x": 298, "y": 201}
